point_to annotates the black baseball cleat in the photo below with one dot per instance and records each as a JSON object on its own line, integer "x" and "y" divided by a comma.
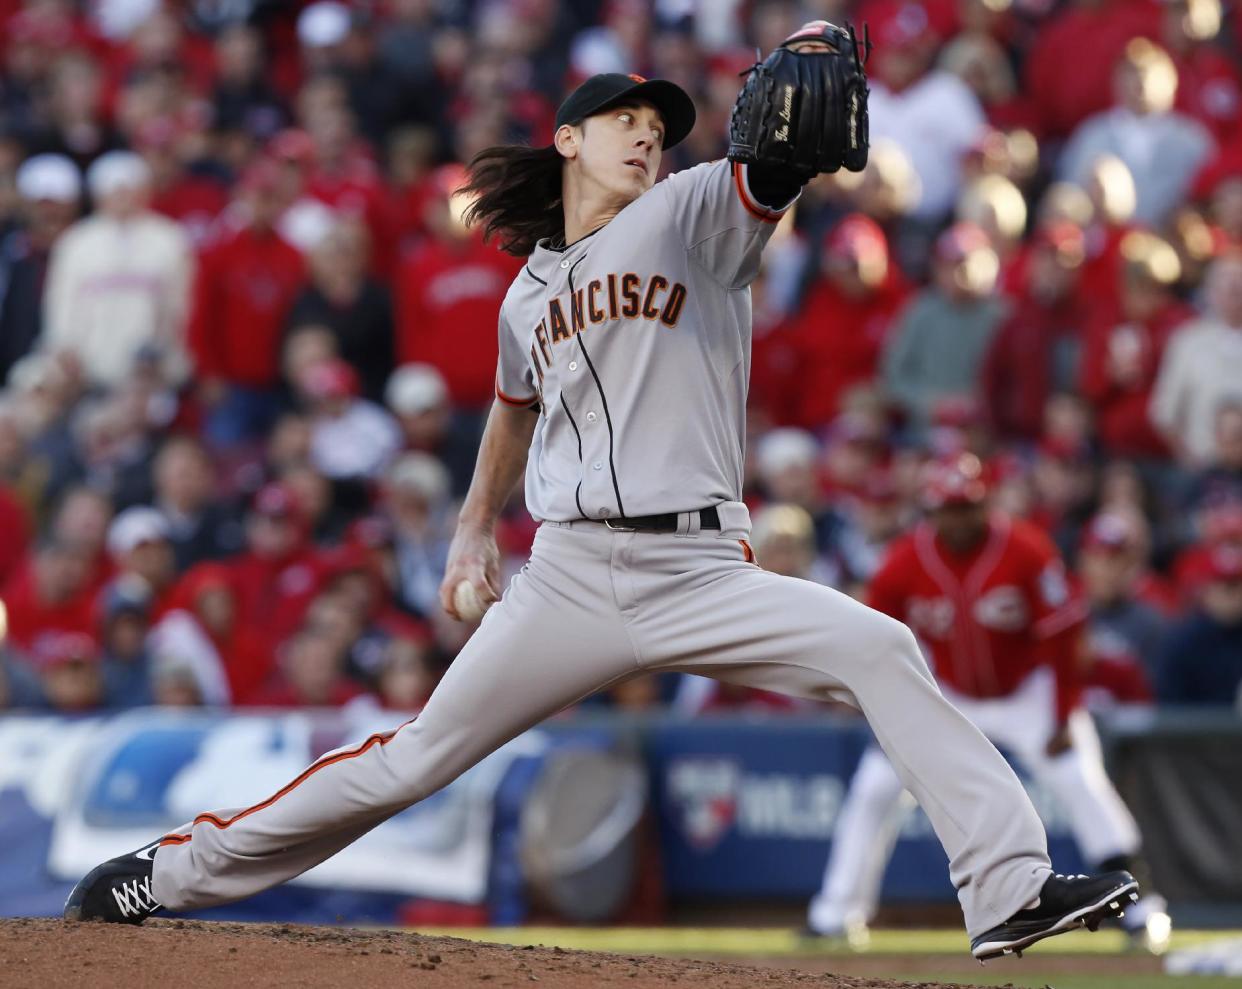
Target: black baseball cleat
{"x": 117, "y": 892}
{"x": 1065, "y": 903}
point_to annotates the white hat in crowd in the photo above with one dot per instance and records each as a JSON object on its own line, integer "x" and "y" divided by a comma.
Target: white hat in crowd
{"x": 784, "y": 448}
{"x": 135, "y": 526}
{"x": 415, "y": 388}
{"x": 421, "y": 474}
{"x": 49, "y": 177}
{"x": 117, "y": 170}
{"x": 323, "y": 24}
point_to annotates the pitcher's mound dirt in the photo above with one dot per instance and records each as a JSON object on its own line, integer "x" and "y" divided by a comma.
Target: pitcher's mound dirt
{"x": 40, "y": 952}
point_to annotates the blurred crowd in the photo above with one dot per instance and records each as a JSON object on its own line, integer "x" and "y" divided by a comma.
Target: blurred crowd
{"x": 247, "y": 345}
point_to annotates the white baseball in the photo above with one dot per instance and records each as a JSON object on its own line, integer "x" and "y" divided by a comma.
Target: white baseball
{"x": 466, "y": 600}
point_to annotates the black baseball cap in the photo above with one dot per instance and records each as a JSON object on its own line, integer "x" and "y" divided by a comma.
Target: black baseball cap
{"x": 615, "y": 88}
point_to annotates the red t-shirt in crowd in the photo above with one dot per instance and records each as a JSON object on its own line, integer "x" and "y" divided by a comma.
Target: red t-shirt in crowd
{"x": 1111, "y": 340}
{"x": 243, "y": 289}
{"x": 990, "y": 616}
{"x": 837, "y": 341}
{"x": 1020, "y": 366}
{"x": 1090, "y": 38}
{"x": 448, "y": 295}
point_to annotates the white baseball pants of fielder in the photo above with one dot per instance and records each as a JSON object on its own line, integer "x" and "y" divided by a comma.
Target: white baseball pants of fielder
{"x": 1022, "y": 722}
{"x": 594, "y": 607}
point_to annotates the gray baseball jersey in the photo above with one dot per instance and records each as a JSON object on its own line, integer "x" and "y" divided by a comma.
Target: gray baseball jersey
{"x": 637, "y": 329}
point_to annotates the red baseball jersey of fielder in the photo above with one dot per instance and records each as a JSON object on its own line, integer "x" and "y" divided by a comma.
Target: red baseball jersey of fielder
{"x": 990, "y": 616}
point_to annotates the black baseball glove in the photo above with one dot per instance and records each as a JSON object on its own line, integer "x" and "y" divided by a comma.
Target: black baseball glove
{"x": 805, "y": 110}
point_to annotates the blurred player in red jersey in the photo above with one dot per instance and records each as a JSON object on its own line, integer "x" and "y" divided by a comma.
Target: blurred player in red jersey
{"x": 988, "y": 597}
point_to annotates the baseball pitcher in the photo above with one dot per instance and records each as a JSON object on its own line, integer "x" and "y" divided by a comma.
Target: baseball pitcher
{"x": 621, "y": 394}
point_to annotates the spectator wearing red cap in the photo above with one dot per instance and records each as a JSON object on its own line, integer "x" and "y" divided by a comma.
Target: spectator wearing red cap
{"x": 1199, "y": 372}
{"x": 844, "y": 320}
{"x": 1201, "y": 664}
{"x": 351, "y": 438}
{"x": 354, "y": 307}
{"x": 1124, "y": 632}
{"x": 937, "y": 348}
{"x": 244, "y": 289}
{"x": 1162, "y": 147}
{"x": 1036, "y": 350}
{"x": 1123, "y": 349}
{"x": 277, "y": 576}
{"x": 1090, "y": 36}
{"x": 448, "y": 292}
{"x": 50, "y": 187}
{"x": 70, "y": 671}
{"x": 930, "y": 113}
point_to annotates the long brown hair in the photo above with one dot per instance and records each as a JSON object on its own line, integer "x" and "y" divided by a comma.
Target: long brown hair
{"x": 519, "y": 195}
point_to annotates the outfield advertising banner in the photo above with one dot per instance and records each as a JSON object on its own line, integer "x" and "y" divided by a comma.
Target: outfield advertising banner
{"x": 75, "y": 792}
{"x": 749, "y": 809}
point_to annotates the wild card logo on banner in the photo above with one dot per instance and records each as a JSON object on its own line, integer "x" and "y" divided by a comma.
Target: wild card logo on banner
{"x": 703, "y": 793}
{"x": 711, "y": 796}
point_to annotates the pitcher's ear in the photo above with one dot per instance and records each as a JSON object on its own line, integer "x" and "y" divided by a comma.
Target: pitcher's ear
{"x": 568, "y": 139}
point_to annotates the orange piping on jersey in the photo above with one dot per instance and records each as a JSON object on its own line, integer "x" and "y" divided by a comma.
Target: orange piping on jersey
{"x": 750, "y": 553}
{"x": 753, "y": 208}
{"x": 518, "y": 403}
{"x": 380, "y": 738}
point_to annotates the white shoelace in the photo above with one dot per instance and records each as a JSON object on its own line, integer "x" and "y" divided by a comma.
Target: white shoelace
{"x": 135, "y": 897}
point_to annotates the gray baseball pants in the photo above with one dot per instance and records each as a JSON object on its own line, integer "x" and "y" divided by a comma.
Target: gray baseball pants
{"x": 594, "y": 607}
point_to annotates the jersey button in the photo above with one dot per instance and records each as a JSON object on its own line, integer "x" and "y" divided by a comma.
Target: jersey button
{"x": 591, "y": 417}
{"x": 565, "y": 263}
{"x": 604, "y": 513}
{"x": 597, "y": 465}
{"x": 573, "y": 365}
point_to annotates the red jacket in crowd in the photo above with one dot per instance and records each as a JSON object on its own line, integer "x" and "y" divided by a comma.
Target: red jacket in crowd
{"x": 1121, "y": 359}
{"x": 448, "y": 295}
{"x": 243, "y": 290}
{"x": 1091, "y": 38}
{"x": 29, "y": 615}
{"x": 1209, "y": 89}
{"x": 988, "y": 617}
{"x": 837, "y": 341}
{"x": 1018, "y": 373}
{"x": 273, "y": 595}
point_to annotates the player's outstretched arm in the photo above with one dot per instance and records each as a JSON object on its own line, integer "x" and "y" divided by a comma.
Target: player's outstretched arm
{"x": 473, "y": 555}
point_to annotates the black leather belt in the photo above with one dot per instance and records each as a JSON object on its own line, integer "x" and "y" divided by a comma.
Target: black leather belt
{"x": 708, "y": 519}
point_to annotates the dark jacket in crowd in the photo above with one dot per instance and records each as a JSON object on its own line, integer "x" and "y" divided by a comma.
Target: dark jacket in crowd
{"x": 1201, "y": 663}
